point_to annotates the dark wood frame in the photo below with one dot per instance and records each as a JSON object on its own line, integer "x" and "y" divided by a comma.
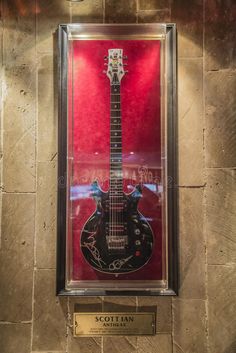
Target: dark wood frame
{"x": 172, "y": 226}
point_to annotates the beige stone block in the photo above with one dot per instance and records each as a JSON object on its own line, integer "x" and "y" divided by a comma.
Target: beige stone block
{"x": 122, "y": 11}
{"x": 15, "y": 338}
{"x": 16, "y": 257}
{"x": 189, "y": 19}
{"x": 119, "y": 304}
{"x": 160, "y": 343}
{"x": 162, "y": 307}
{"x": 85, "y": 304}
{"x": 222, "y": 308}
{"x": 1, "y": 174}
{"x": 190, "y": 122}
{"x": 192, "y": 256}
{"x": 89, "y": 11}
{"x": 18, "y": 162}
{"x": 84, "y": 344}
{"x": 19, "y": 33}
{"x": 220, "y": 138}
{"x": 153, "y": 4}
{"x": 220, "y": 34}
{"x": 153, "y": 16}
{"x": 19, "y": 129}
{"x": 189, "y": 326}
{"x": 49, "y": 15}
{"x": 19, "y": 98}
{"x": 50, "y": 314}
{"x": 47, "y": 117}
{"x": 221, "y": 216}
{"x": 46, "y": 207}
{"x": 119, "y": 344}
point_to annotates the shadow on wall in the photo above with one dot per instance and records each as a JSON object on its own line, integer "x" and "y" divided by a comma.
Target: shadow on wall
{"x": 26, "y": 8}
{"x": 220, "y": 19}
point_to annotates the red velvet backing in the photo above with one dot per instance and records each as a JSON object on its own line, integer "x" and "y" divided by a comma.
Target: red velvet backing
{"x": 141, "y": 126}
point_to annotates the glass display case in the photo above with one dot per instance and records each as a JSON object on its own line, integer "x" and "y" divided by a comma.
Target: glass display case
{"x": 117, "y": 215}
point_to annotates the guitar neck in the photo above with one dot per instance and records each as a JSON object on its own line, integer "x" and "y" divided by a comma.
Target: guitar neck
{"x": 116, "y": 177}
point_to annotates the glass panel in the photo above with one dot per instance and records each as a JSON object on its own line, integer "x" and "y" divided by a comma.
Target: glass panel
{"x": 116, "y": 160}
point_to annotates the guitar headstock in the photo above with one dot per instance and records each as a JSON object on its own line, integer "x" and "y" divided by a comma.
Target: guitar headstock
{"x": 115, "y": 66}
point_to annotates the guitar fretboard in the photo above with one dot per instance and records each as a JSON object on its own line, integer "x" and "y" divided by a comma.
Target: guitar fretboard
{"x": 116, "y": 177}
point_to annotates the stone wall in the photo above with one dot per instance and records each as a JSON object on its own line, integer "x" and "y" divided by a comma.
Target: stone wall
{"x": 202, "y": 319}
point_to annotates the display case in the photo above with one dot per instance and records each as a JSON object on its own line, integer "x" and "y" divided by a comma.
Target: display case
{"x": 117, "y": 214}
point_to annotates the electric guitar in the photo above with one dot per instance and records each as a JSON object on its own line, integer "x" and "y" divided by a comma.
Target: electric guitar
{"x": 116, "y": 238}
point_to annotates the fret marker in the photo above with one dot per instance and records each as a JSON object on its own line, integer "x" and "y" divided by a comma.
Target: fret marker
{"x": 115, "y": 133}
{"x": 115, "y": 145}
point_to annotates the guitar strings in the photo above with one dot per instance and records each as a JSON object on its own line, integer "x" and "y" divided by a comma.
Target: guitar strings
{"x": 116, "y": 180}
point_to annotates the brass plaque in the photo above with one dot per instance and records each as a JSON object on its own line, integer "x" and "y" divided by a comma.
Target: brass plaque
{"x": 114, "y": 324}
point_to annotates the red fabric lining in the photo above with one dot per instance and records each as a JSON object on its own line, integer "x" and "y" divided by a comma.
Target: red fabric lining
{"x": 140, "y": 110}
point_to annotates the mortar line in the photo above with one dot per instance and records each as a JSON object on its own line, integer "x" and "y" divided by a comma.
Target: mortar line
{"x": 172, "y": 299}
{"x": 68, "y": 318}
{"x": 192, "y": 186}
{"x": 36, "y": 177}
{"x": 70, "y": 11}
{"x": 137, "y": 10}
{"x": 172, "y": 324}
{"x": 19, "y": 192}
{"x": 222, "y": 168}
{"x": 205, "y": 179}
{"x": 2, "y": 322}
{"x": 229, "y": 264}
{"x": 103, "y": 11}
{"x": 155, "y": 10}
{"x": 1, "y": 117}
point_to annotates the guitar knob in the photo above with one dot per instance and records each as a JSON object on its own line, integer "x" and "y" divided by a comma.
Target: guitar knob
{"x": 137, "y": 232}
{"x": 137, "y": 242}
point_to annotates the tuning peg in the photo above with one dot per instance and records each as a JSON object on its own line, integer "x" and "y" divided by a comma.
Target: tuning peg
{"x": 105, "y": 57}
{"x": 104, "y": 72}
{"x": 126, "y": 71}
{"x": 106, "y": 64}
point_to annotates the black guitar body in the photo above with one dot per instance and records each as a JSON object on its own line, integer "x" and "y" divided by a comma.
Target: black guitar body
{"x": 120, "y": 241}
